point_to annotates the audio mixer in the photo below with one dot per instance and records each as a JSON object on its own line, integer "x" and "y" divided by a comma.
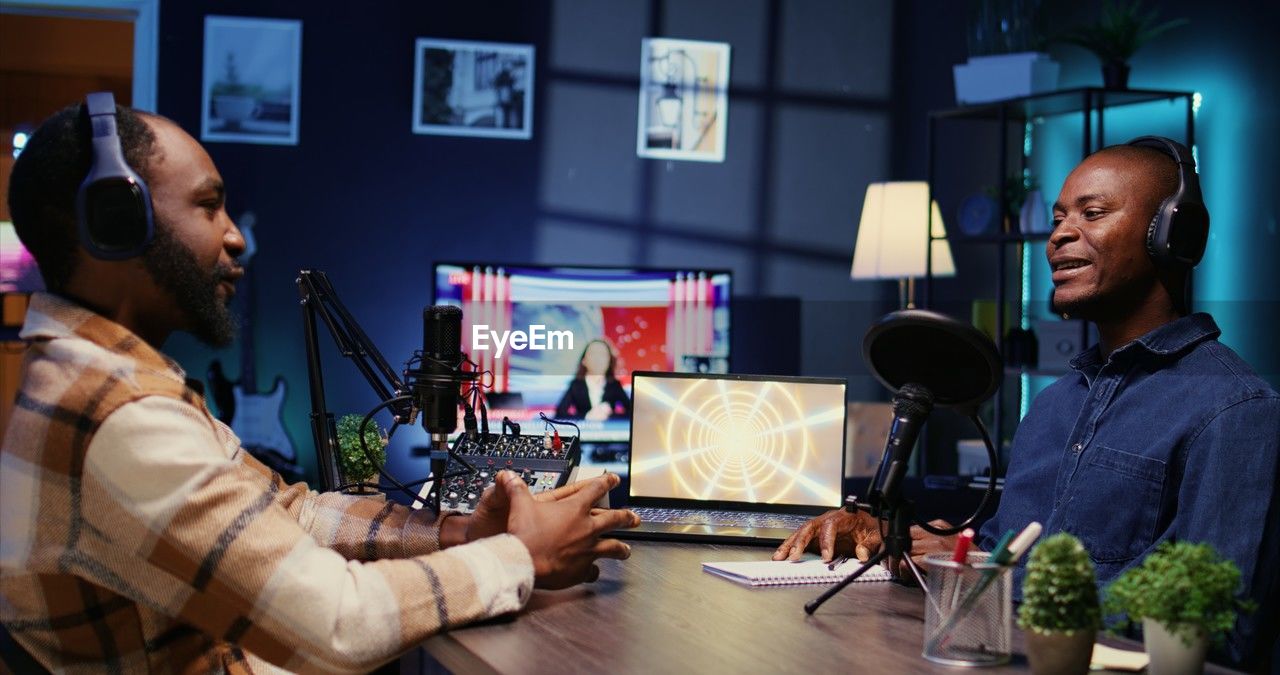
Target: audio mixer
{"x": 543, "y": 461}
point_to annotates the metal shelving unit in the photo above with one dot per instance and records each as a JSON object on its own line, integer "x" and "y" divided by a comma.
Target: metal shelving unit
{"x": 1091, "y": 103}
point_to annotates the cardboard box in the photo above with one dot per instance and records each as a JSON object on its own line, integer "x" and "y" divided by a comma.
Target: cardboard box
{"x": 866, "y": 431}
{"x": 994, "y": 78}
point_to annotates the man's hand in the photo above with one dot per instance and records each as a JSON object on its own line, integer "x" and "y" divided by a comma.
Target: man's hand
{"x": 493, "y": 509}
{"x": 836, "y": 531}
{"x": 922, "y": 544}
{"x": 563, "y": 532}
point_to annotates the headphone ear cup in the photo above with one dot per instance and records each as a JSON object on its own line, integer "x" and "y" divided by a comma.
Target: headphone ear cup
{"x": 1157, "y": 234}
{"x": 1188, "y": 233}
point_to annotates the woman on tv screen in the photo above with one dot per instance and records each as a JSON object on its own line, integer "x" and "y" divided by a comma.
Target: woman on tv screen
{"x": 595, "y": 393}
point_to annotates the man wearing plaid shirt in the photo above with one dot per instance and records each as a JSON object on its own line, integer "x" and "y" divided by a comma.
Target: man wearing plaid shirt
{"x": 137, "y": 536}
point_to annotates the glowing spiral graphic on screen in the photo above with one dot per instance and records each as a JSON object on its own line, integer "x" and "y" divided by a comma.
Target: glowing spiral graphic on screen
{"x": 740, "y": 441}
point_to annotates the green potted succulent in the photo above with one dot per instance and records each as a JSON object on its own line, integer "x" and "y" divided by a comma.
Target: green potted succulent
{"x": 1185, "y": 594}
{"x": 352, "y": 460}
{"x": 1059, "y": 606}
{"x": 1120, "y": 31}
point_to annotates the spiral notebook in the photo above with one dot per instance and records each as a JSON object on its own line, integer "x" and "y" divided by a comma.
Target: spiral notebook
{"x": 786, "y": 573}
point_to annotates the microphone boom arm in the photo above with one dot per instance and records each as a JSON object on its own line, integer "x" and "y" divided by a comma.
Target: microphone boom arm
{"x": 319, "y": 298}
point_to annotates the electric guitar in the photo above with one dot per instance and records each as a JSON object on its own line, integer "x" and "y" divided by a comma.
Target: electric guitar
{"x": 254, "y": 417}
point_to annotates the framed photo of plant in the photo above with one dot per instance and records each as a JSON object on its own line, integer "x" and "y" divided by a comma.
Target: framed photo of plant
{"x": 252, "y": 70}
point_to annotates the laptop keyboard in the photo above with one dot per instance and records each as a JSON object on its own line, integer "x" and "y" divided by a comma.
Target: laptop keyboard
{"x": 651, "y": 514}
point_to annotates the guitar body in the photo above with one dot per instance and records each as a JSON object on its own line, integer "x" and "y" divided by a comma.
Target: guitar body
{"x": 258, "y": 423}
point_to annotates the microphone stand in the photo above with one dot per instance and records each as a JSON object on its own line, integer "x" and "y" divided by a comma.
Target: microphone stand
{"x": 320, "y": 299}
{"x": 896, "y": 544}
{"x": 888, "y": 505}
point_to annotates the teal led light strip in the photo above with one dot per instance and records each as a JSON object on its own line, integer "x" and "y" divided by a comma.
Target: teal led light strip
{"x": 1024, "y": 265}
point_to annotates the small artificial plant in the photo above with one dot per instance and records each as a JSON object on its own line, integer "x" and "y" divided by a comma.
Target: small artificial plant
{"x": 355, "y": 464}
{"x": 1016, "y": 189}
{"x": 1187, "y": 587}
{"x": 1059, "y": 593}
{"x": 1121, "y": 30}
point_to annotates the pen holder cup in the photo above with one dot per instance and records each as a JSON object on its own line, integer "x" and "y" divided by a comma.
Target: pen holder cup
{"x": 969, "y": 612}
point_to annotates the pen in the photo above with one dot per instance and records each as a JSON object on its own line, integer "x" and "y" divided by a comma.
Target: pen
{"x": 961, "y": 554}
{"x": 1001, "y": 549}
{"x": 838, "y": 562}
{"x": 1022, "y": 543}
{"x": 960, "y": 557}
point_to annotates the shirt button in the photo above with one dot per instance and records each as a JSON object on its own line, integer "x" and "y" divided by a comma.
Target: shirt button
{"x": 1077, "y": 447}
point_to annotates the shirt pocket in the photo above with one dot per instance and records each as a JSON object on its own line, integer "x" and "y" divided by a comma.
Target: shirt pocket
{"x": 1114, "y": 504}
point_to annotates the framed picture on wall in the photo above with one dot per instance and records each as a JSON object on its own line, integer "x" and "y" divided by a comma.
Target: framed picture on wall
{"x": 684, "y": 101}
{"x": 251, "y": 76}
{"x": 463, "y": 88}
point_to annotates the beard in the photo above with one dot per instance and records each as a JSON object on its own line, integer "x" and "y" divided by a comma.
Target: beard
{"x": 175, "y": 269}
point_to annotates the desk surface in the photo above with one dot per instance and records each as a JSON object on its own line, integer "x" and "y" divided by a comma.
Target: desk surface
{"x": 659, "y": 611}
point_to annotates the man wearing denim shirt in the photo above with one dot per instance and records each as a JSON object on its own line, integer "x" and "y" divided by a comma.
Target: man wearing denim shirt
{"x": 1160, "y": 432}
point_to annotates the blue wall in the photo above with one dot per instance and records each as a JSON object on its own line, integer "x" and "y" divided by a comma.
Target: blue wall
{"x": 810, "y": 123}
{"x": 826, "y": 96}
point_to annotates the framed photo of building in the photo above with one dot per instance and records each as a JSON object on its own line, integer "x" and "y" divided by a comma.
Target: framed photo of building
{"x": 463, "y": 88}
{"x": 252, "y": 70}
{"x": 684, "y": 101}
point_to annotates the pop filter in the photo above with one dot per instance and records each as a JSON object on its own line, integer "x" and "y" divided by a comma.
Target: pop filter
{"x": 957, "y": 362}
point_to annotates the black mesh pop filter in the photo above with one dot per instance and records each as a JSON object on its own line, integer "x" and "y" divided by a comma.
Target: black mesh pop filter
{"x": 954, "y": 360}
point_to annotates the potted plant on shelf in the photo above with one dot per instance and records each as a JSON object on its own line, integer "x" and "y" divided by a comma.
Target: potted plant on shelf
{"x": 356, "y": 468}
{"x": 1120, "y": 31}
{"x": 1185, "y": 595}
{"x": 1059, "y": 606}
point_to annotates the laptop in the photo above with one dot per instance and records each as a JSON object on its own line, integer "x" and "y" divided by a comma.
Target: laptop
{"x": 733, "y": 458}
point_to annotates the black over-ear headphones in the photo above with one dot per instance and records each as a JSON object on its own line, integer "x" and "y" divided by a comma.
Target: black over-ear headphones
{"x": 1179, "y": 231}
{"x": 113, "y": 206}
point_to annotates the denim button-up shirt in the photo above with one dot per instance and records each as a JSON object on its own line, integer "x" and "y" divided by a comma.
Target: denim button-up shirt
{"x": 1172, "y": 436}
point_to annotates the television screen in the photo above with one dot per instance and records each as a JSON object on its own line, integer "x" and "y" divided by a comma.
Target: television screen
{"x": 564, "y": 340}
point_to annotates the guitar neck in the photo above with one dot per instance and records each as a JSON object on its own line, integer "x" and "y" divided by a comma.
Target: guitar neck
{"x": 247, "y": 364}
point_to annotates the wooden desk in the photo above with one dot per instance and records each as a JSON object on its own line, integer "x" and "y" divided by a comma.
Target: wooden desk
{"x": 659, "y": 612}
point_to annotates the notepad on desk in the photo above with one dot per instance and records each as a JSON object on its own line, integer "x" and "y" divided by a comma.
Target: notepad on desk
{"x": 787, "y": 573}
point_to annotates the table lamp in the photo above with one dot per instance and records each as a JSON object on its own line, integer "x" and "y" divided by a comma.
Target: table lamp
{"x": 891, "y": 237}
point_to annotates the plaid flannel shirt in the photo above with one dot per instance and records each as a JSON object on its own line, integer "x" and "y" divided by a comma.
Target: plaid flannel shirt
{"x": 136, "y": 536}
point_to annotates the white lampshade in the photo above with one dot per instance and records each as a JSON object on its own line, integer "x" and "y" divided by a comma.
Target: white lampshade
{"x": 891, "y": 236}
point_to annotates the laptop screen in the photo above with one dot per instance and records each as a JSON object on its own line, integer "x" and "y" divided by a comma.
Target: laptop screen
{"x": 736, "y": 438}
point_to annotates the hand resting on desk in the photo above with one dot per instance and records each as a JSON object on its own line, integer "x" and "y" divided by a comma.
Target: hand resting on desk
{"x": 560, "y": 528}
{"x": 838, "y": 532}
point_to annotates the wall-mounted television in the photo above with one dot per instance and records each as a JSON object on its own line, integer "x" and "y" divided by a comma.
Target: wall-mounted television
{"x": 564, "y": 340}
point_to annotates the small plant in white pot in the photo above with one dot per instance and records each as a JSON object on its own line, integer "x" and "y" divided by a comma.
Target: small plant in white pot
{"x": 358, "y": 472}
{"x": 1059, "y": 606}
{"x": 1185, "y": 596}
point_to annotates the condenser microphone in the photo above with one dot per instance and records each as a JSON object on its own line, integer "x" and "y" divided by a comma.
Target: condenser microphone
{"x": 435, "y": 384}
{"x": 911, "y": 407}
